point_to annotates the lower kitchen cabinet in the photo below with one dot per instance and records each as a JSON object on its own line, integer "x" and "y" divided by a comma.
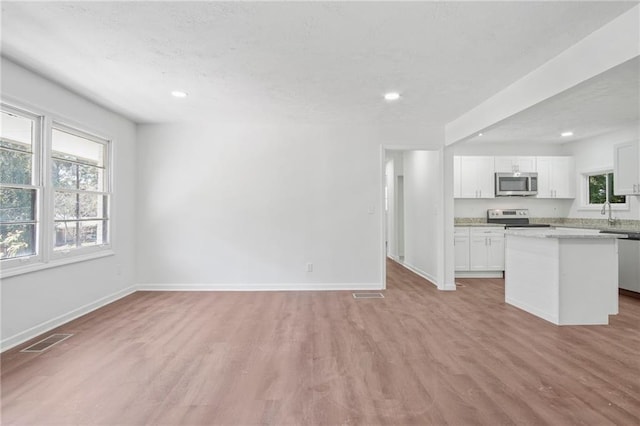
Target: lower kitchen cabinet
{"x": 479, "y": 251}
{"x": 461, "y": 248}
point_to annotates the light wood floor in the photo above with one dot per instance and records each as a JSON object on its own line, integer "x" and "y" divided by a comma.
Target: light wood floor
{"x": 418, "y": 356}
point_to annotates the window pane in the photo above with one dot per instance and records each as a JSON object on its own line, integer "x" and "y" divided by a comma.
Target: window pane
{"x": 90, "y": 178}
{"x": 68, "y": 175}
{"x": 64, "y": 174}
{"x": 615, "y": 199}
{"x": 93, "y": 233}
{"x": 72, "y": 234}
{"x": 76, "y": 148}
{"x": 79, "y": 206}
{"x": 65, "y": 235}
{"x": 65, "y": 206}
{"x": 93, "y": 206}
{"x": 597, "y": 189}
{"x": 17, "y": 205}
{"x": 17, "y": 240}
{"x": 15, "y": 167}
{"x": 16, "y": 132}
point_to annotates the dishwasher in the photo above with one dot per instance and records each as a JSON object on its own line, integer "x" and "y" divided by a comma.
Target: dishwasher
{"x": 629, "y": 263}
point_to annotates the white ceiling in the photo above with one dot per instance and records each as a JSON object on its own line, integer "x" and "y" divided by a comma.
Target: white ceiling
{"x": 304, "y": 61}
{"x": 598, "y": 106}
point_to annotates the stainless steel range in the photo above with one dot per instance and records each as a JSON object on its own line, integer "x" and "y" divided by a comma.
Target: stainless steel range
{"x": 512, "y": 218}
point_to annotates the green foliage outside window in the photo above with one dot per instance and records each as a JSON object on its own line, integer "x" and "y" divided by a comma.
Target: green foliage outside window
{"x": 17, "y": 204}
{"x": 601, "y": 190}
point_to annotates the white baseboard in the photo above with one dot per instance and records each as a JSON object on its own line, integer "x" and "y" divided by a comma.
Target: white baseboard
{"x": 420, "y": 272}
{"x": 43, "y": 327}
{"x": 450, "y": 287}
{"x": 479, "y": 274}
{"x": 261, "y": 287}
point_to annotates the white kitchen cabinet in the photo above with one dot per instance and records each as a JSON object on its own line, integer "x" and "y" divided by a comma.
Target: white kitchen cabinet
{"x": 486, "y": 249}
{"x": 515, "y": 164}
{"x": 461, "y": 246}
{"x": 556, "y": 177}
{"x": 474, "y": 177}
{"x": 626, "y": 168}
{"x": 629, "y": 265}
{"x": 495, "y": 253}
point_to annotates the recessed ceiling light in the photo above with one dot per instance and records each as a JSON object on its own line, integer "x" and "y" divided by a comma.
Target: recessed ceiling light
{"x": 179, "y": 94}
{"x": 480, "y": 134}
{"x": 566, "y": 134}
{"x": 392, "y": 96}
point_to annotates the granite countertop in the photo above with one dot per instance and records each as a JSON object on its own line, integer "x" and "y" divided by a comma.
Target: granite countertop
{"x": 561, "y": 233}
{"x": 630, "y": 226}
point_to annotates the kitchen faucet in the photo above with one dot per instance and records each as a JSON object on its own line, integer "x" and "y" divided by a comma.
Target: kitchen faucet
{"x": 611, "y": 220}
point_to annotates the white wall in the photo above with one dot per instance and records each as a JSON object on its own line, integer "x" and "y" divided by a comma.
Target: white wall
{"x": 35, "y": 302}
{"x": 422, "y": 196}
{"x": 596, "y": 154}
{"x": 245, "y": 206}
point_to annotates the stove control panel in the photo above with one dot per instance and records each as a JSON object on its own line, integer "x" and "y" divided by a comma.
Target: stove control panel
{"x": 508, "y": 214}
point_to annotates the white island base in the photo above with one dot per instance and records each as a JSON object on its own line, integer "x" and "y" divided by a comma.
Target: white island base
{"x": 564, "y": 278}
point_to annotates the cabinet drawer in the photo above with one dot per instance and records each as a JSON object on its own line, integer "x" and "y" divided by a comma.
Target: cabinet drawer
{"x": 487, "y": 232}
{"x": 461, "y": 231}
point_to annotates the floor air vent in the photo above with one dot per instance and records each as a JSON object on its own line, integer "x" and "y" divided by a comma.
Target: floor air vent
{"x": 368, "y": 296}
{"x": 46, "y": 343}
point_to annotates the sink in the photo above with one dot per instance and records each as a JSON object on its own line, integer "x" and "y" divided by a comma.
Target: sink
{"x": 631, "y": 235}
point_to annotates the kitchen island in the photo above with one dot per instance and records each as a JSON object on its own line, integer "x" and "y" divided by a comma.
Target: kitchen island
{"x": 565, "y": 276}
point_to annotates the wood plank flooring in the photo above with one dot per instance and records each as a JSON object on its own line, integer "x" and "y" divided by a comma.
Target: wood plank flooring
{"x": 416, "y": 357}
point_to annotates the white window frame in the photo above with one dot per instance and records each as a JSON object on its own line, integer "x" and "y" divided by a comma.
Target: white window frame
{"x": 60, "y": 254}
{"x": 37, "y": 181}
{"x": 45, "y": 256}
{"x": 585, "y": 192}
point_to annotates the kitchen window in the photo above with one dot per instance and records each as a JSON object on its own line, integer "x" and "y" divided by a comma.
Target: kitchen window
{"x": 600, "y": 190}
{"x": 55, "y": 193}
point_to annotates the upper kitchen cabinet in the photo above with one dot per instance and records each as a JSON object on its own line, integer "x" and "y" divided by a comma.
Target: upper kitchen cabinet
{"x": 515, "y": 164}
{"x": 556, "y": 177}
{"x": 473, "y": 177}
{"x": 626, "y": 168}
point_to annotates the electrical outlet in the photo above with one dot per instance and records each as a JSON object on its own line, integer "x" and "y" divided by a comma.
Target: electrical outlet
{"x": 309, "y": 267}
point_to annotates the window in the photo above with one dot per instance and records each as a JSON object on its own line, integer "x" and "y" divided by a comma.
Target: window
{"x": 19, "y": 185}
{"x": 81, "y": 199}
{"x": 54, "y": 192}
{"x": 600, "y": 190}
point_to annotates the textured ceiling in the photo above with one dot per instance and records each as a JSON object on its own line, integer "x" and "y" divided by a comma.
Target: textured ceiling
{"x": 598, "y": 106}
{"x": 304, "y": 61}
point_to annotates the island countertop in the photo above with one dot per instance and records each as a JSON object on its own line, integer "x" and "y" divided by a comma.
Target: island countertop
{"x": 561, "y": 233}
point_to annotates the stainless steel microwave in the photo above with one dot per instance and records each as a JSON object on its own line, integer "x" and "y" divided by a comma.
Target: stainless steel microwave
{"x": 516, "y": 184}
